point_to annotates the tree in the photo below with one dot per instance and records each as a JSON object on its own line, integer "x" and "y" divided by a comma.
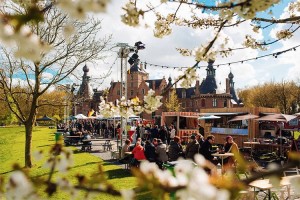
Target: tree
{"x": 282, "y": 95}
{"x": 172, "y": 104}
{"x": 53, "y": 55}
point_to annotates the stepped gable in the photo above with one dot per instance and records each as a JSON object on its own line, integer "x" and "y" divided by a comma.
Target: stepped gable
{"x": 209, "y": 85}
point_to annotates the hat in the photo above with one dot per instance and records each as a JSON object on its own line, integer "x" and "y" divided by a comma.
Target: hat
{"x": 193, "y": 137}
{"x": 228, "y": 137}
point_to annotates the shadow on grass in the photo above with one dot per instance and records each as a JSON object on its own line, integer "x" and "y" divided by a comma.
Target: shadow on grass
{"x": 6, "y": 172}
{"x": 118, "y": 173}
{"x": 86, "y": 164}
{"x": 46, "y": 145}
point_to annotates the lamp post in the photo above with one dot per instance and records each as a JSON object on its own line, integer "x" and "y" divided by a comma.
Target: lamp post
{"x": 123, "y": 53}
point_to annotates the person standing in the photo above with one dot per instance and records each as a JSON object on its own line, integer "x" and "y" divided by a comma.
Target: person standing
{"x": 172, "y": 133}
{"x": 201, "y": 130}
{"x": 192, "y": 148}
{"x": 162, "y": 134}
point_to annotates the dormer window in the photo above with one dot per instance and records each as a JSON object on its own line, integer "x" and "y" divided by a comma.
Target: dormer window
{"x": 183, "y": 94}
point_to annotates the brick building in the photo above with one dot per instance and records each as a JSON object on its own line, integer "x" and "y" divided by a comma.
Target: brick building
{"x": 204, "y": 95}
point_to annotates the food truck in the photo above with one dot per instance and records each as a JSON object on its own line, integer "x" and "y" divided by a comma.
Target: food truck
{"x": 186, "y": 123}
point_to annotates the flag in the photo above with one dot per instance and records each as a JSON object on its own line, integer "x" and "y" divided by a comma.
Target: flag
{"x": 90, "y": 113}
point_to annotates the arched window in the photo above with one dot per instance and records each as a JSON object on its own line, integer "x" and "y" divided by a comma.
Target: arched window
{"x": 202, "y": 102}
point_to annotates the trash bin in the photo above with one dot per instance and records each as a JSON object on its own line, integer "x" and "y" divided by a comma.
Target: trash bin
{"x": 58, "y": 136}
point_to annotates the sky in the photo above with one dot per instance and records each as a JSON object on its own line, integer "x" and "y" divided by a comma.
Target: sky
{"x": 162, "y": 51}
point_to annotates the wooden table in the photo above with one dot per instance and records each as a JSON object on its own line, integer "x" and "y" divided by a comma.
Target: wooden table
{"x": 222, "y": 156}
{"x": 251, "y": 144}
{"x": 265, "y": 185}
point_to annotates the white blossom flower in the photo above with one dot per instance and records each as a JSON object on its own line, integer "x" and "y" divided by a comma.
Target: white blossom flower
{"x": 132, "y": 15}
{"x": 38, "y": 155}
{"x": 152, "y": 103}
{"x": 18, "y": 187}
{"x": 127, "y": 194}
{"x": 190, "y": 77}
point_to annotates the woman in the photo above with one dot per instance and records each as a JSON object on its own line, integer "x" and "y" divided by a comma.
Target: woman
{"x": 230, "y": 147}
{"x": 161, "y": 151}
{"x": 138, "y": 154}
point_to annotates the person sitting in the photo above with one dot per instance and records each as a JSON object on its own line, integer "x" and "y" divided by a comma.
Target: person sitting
{"x": 206, "y": 149}
{"x": 192, "y": 148}
{"x": 230, "y": 147}
{"x": 126, "y": 148}
{"x": 161, "y": 151}
{"x": 86, "y": 145}
{"x": 175, "y": 149}
{"x": 150, "y": 151}
{"x": 138, "y": 154}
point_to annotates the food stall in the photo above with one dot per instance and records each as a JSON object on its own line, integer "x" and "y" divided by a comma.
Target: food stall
{"x": 186, "y": 123}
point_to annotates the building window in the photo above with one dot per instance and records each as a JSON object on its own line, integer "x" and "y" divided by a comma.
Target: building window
{"x": 131, "y": 84}
{"x": 202, "y": 102}
{"x": 131, "y": 92}
{"x": 214, "y": 102}
{"x": 196, "y": 103}
{"x": 153, "y": 115}
{"x": 131, "y": 76}
{"x": 191, "y": 104}
{"x": 184, "y": 94}
{"x": 225, "y": 104}
{"x": 143, "y": 91}
{"x": 118, "y": 92}
{"x": 183, "y": 104}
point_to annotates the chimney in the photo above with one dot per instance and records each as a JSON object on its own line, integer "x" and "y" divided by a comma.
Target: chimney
{"x": 153, "y": 85}
{"x": 197, "y": 92}
{"x": 227, "y": 86}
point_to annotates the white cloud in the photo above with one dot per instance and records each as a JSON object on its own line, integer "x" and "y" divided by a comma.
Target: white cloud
{"x": 163, "y": 51}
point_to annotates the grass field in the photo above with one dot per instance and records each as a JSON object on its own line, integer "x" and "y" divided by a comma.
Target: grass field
{"x": 12, "y": 151}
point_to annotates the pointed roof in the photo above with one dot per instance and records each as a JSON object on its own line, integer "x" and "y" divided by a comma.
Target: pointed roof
{"x": 232, "y": 89}
{"x": 209, "y": 85}
{"x": 85, "y": 88}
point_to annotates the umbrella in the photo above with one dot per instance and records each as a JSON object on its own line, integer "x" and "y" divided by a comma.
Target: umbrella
{"x": 243, "y": 117}
{"x": 45, "y": 118}
{"x": 209, "y": 117}
{"x": 277, "y": 118}
{"x": 80, "y": 116}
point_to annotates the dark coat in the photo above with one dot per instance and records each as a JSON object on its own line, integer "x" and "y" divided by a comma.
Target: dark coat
{"x": 175, "y": 151}
{"x": 206, "y": 150}
{"x": 192, "y": 148}
{"x": 150, "y": 152}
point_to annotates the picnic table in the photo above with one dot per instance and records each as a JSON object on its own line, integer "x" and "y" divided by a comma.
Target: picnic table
{"x": 107, "y": 145}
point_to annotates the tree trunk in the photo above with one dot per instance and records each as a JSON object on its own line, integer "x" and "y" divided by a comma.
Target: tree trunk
{"x": 28, "y": 137}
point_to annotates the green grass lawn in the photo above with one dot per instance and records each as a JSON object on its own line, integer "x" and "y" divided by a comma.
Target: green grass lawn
{"x": 12, "y": 151}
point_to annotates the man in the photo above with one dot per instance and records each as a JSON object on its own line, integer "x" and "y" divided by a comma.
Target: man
{"x": 201, "y": 130}
{"x": 192, "y": 148}
{"x": 206, "y": 149}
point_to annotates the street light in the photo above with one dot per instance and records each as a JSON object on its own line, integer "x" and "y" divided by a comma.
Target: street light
{"x": 123, "y": 53}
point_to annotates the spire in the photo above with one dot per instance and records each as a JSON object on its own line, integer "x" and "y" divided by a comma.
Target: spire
{"x": 170, "y": 81}
{"x": 209, "y": 85}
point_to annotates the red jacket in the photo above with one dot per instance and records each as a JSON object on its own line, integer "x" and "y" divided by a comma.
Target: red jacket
{"x": 138, "y": 153}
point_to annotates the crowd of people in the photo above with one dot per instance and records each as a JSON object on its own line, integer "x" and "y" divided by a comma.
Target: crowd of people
{"x": 158, "y": 151}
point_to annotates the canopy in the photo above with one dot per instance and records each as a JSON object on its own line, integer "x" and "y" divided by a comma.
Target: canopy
{"x": 243, "y": 117}
{"x": 80, "y": 116}
{"x": 45, "y": 118}
{"x": 277, "y": 118}
{"x": 209, "y": 117}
